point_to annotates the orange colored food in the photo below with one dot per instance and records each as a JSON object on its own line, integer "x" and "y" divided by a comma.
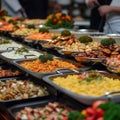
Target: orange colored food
{"x": 58, "y": 15}
{"x": 113, "y": 61}
{"x": 40, "y": 36}
{"x": 68, "y": 17}
{"x": 8, "y": 27}
{"x": 49, "y": 66}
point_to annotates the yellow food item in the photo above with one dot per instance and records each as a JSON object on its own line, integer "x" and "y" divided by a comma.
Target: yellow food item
{"x": 49, "y": 66}
{"x": 94, "y": 88}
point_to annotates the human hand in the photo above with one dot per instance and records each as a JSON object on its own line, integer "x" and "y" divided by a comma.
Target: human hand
{"x": 22, "y": 10}
{"x": 93, "y": 3}
{"x": 105, "y": 9}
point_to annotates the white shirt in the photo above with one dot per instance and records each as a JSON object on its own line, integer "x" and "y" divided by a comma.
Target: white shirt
{"x": 112, "y": 24}
{"x": 12, "y": 7}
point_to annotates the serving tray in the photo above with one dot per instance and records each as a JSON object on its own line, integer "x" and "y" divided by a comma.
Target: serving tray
{"x": 87, "y": 100}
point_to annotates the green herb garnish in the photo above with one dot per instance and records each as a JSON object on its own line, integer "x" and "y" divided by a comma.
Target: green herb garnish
{"x": 112, "y": 111}
{"x": 2, "y": 18}
{"x": 108, "y": 41}
{"x": 59, "y": 113}
{"x": 85, "y": 39}
{"x": 16, "y": 26}
{"x": 43, "y": 30}
{"x": 31, "y": 26}
{"x": 94, "y": 75}
{"x": 65, "y": 33}
{"x": 90, "y": 76}
{"x": 4, "y": 42}
{"x": 21, "y": 50}
{"x": 43, "y": 117}
{"x": 46, "y": 57}
{"x": 54, "y": 37}
{"x": 12, "y": 21}
{"x": 75, "y": 115}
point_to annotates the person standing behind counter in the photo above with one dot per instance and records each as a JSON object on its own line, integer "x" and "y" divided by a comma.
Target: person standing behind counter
{"x": 112, "y": 13}
{"x": 38, "y": 8}
{"x": 96, "y": 21}
{"x": 13, "y": 8}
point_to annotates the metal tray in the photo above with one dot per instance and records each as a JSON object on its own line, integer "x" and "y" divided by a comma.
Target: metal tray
{"x": 59, "y": 71}
{"x": 37, "y": 41}
{"x": 51, "y": 91}
{"x": 87, "y": 100}
{"x": 10, "y": 47}
{"x": 46, "y": 47}
{"x": 22, "y": 56}
{"x": 88, "y": 59}
{"x": 17, "y": 38}
{"x": 65, "y": 52}
{"x": 98, "y": 38}
{"x": 5, "y": 33}
{"x": 11, "y": 68}
{"x": 12, "y": 111}
{"x": 111, "y": 68}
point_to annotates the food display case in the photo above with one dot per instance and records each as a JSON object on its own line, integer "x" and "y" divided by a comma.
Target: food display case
{"x": 27, "y": 68}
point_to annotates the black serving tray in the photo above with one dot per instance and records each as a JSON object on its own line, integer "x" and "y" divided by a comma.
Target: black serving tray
{"x": 12, "y": 111}
{"x": 5, "y": 33}
{"x": 51, "y": 91}
{"x": 87, "y": 100}
{"x": 7, "y": 66}
{"x": 59, "y": 71}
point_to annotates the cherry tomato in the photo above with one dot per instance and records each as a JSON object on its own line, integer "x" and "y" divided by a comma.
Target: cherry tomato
{"x": 15, "y": 19}
{"x": 63, "y": 18}
{"x": 90, "y": 118}
{"x": 65, "y": 118}
{"x": 90, "y": 111}
{"x": 100, "y": 118}
{"x": 55, "y": 20}
{"x": 99, "y": 112}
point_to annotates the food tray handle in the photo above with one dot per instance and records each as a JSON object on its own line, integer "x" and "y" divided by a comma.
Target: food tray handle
{"x": 26, "y": 56}
{"x": 12, "y": 48}
{"x": 113, "y": 96}
{"x": 112, "y": 93}
{"x": 62, "y": 71}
